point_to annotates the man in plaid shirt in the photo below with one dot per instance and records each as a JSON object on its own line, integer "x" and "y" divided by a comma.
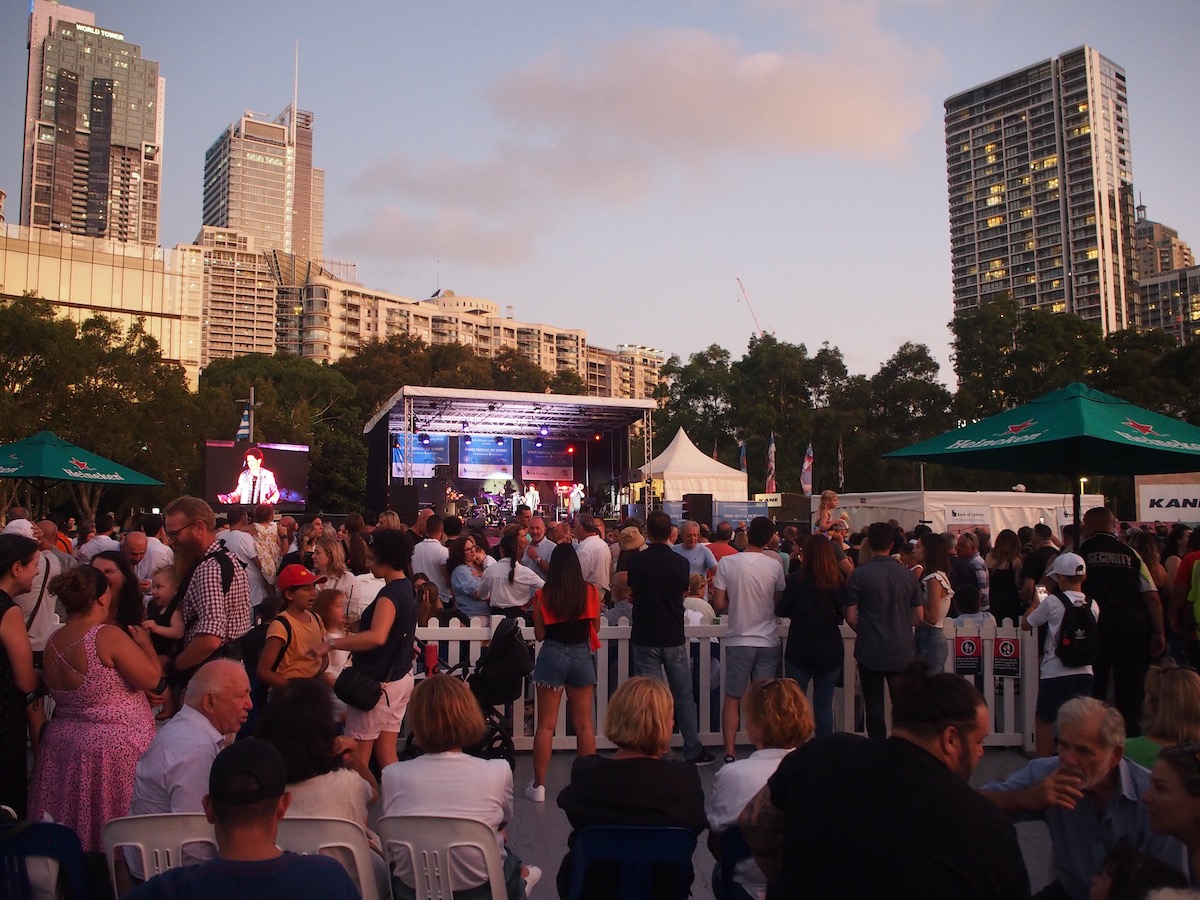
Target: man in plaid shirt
{"x": 212, "y": 617}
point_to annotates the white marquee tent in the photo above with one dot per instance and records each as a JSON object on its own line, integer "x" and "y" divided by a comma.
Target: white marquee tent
{"x": 685, "y": 469}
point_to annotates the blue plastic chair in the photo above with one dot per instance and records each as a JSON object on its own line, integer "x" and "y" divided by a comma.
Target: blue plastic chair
{"x": 733, "y": 850}
{"x": 636, "y": 849}
{"x": 21, "y": 840}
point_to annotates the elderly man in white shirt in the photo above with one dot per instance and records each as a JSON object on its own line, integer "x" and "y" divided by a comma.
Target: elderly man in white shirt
{"x": 147, "y": 555}
{"x": 172, "y": 775}
{"x": 594, "y": 556}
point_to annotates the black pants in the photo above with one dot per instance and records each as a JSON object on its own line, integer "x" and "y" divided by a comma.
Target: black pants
{"x": 872, "y": 688}
{"x": 1124, "y": 659}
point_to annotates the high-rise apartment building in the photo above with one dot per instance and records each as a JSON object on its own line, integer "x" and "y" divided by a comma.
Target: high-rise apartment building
{"x": 1159, "y": 248}
{"x": 259, "y": 180}
{"x": 93, "y": 130}
{"x": 1040, "y": 187}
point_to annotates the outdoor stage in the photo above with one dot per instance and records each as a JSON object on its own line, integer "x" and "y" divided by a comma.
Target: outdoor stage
{"x": 469, "y": 451}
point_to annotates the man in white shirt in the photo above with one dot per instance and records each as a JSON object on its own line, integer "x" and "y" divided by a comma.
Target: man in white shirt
{"x": 594, "y": 556}
{"x": 103, "y": 540}
{"x": 1057, "y": 683}
{"x": 749, "y": 586}
{"x": 430, "y": 555}
{"x": 147, "y": 555}
{"x": 239, "y": 541}
{"x": 172, "y": 775}
{"x": 537, "y": 554}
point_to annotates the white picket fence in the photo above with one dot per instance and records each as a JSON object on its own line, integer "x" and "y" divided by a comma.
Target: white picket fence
{"x": 1011, "y": 700}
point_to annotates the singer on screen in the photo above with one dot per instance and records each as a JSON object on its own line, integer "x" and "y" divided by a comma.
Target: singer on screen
{"x": 256, "y": 484}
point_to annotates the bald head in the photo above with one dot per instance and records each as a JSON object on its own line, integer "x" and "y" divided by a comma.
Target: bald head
{"x": 49, "y": 533}
{"x": 220, "y": 691}
{"x": 1099, "y": 520}
{"x": 133, "y": 545}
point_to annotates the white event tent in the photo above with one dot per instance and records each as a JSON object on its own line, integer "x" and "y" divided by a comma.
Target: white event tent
{"x": 684, "y": 468}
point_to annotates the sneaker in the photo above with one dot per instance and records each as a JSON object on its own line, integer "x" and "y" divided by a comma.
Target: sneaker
{"x": 729, "y": 759}
{"x": 534, "y": 876}
{"x": 536, "y": 793}
{"x": 703, "y": 758}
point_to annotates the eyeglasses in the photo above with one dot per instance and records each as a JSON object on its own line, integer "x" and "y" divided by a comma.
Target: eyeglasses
{"x": 171, "y": 535}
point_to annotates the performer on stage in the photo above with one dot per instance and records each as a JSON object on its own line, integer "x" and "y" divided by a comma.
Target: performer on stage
{"x": 256, "y": 484}
{"x": 532, "y": 498}
{"x": 576, "y": 500}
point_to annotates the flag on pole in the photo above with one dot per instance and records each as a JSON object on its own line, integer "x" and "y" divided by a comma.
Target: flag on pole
{"x": 243, "y": 432}
{"x": 770, "y": 489}
{"x": 841, "y": 465}
{"x": 741, "y": 454}
{"x": 806, "y": 472}
{"x": 715, "y": 449}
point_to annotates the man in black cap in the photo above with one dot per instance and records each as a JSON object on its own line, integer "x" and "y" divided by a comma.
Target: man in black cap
{"x": 247, "y": 796}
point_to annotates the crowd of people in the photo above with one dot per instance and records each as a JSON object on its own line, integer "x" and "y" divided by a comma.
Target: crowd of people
{"x": 162, "y": 641}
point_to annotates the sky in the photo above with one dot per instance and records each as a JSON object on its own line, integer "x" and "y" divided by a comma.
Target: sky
{"x": 617, "y": 166}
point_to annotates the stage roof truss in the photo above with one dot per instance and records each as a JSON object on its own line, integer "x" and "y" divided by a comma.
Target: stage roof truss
{"x": 508, "y": 414}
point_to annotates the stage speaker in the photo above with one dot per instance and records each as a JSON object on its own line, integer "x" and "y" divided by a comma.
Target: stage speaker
{"x": 447, "y": 509}
{"x": 446, "y": 472}
{"x": 699, "y": 508}
{"x": 402, "y": 498}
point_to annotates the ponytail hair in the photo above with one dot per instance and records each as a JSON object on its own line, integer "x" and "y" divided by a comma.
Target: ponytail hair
{"x": 509, "y": 547}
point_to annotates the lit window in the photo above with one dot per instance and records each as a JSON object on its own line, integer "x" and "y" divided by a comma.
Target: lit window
{"x": 995, "y": 221}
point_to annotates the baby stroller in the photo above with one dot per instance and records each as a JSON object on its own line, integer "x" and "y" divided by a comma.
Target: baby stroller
{"x": 498, "y": 679}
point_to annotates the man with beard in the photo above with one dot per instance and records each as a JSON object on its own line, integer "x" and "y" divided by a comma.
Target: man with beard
{"x": 845, "y": 816}
{"x": 1088, "y": 795}
{"x": 213, "y": 593}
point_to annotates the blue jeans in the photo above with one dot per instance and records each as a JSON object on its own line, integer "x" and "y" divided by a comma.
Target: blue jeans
{"x": 823, "y": 688}
{"x": 677, "y": 663}
{"x": 932, "y": 647}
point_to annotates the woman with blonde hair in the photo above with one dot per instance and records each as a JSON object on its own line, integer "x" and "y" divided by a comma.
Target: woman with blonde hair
{"x": 389, "y": 520}
{"x": 637, "y": 785}
{"x": 329, "y": 560}
{"x": 445, "y": 781}
{"x": 1171, "y": 713}
{"x": 778, "y": 720}
{"x": 829, "y": 502}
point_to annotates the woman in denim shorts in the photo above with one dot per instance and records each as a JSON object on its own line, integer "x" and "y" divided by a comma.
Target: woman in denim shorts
{"x": 566, "y": 614}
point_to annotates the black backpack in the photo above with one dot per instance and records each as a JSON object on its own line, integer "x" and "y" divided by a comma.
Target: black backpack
{"x": 1079, "y": 637}
{"x": 253, "y": 642}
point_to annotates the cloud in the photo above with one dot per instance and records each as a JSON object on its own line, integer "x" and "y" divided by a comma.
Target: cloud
{"x": 447, "y": 233}
{"x": 612, "y": 121}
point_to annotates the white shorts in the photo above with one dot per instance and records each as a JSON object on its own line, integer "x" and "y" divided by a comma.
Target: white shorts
{"x": 385, "y": 716}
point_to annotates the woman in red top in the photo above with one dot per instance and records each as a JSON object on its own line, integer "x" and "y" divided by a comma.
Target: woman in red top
{"x": 566, "y": 614}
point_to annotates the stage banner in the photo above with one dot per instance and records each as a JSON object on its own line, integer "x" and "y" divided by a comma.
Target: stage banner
{"x": 424, "y": 457}
{"x": 736, "y": 511}
{"x": 484, "y": 458}
{"x": 549, "y": 462}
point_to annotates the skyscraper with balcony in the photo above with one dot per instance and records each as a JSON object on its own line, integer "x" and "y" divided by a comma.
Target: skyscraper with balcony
{"x": 259, "y": 180}
{"x": 93, "y": 130}
{"x": 1040, "y": 188}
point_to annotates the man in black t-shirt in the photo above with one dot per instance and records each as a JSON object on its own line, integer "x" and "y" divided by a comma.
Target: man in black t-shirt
{"x": 844, "y": 816}
{"x": 1131, "y": 615}
{"x": 658, "y": 579}
{"x": 1035, "y": 563}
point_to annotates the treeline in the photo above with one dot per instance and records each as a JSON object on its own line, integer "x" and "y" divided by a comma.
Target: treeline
{"x": 1003, "y": 356}
{"x": 109, "y": 390}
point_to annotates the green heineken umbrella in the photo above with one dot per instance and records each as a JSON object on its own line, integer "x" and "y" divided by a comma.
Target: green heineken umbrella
{"x": 47, "y": 457}
{"x": 1074, "y": 431}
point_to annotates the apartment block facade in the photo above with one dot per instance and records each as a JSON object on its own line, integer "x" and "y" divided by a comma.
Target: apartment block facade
{"x": 1039, "y": 176}
{"x": 93, "y": 151}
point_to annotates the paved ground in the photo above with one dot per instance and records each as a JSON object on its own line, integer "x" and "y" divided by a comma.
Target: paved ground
{"x": 539, "y": 830}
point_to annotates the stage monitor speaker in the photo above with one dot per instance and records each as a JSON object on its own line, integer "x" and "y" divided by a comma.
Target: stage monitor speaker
{"x": 699, "y": 508}
{"x": 403, "y": 500}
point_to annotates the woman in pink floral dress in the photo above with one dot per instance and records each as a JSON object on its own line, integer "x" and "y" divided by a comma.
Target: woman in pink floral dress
{"x": 102, "y": 723}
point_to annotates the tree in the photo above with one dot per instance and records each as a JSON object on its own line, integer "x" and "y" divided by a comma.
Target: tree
{"x": 567, "y": 381}
{"x": 694, "y": 396}
{"x": 512, "y": 371}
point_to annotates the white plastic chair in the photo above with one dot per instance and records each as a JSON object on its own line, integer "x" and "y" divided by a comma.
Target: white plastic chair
{"x": 159, "y": 838}
{"x": 320, "y": 836}
{"x": 429, "y": 840}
